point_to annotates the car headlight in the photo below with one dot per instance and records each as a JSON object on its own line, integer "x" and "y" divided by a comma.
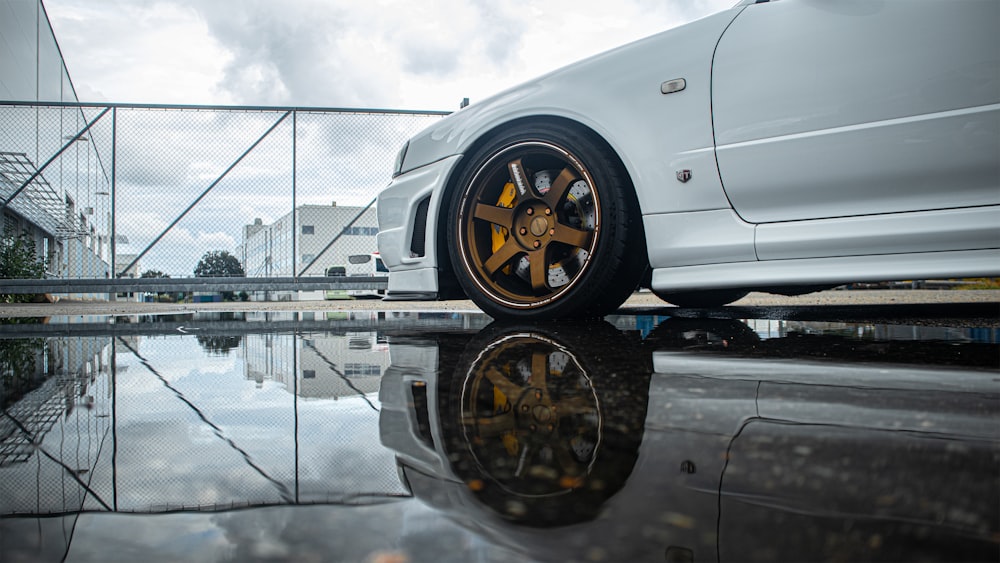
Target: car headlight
{"x": 397, "y": 169}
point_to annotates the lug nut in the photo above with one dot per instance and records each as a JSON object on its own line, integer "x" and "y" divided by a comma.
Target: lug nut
{"x": 548, "y": 211}
{"x": 529, "y": 211}
{"x": 523, "y": 231}
{"x": 552, "y": 232}
{"x": 538, "y": 244}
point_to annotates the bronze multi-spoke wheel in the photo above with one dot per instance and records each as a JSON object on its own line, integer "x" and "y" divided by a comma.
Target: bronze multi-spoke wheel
{"x": 544, "y": 224}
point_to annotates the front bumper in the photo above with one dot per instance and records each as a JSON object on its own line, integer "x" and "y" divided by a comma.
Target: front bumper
{"x": 412, "y": 275}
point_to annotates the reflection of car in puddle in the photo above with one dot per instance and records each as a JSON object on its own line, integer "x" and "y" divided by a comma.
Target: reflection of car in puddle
{"x": 569, "y": 429}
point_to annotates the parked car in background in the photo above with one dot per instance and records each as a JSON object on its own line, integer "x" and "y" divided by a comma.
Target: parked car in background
{"x": 365, "y": 265}
{"x": 775, "y": 146}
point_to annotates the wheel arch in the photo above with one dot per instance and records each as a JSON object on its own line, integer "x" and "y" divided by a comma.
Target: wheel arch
{"x": 448, "y": 286}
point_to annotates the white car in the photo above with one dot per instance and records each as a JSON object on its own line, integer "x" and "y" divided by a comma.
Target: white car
{"x": 778, "y": 146}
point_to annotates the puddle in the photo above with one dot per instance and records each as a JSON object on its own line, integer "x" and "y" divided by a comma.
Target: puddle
{"x": 416, "y": 436}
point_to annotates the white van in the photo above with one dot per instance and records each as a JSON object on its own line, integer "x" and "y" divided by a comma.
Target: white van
{"x": 364, "y": 265}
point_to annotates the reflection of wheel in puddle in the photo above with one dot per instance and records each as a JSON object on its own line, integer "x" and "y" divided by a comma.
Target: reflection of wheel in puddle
{"x": 543, "y": 421}
{"x": 531, "y": 417}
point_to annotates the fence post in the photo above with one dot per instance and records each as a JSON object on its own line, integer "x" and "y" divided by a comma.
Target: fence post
{"x": 114, "y": 194}
{"x": 295, "y": 232}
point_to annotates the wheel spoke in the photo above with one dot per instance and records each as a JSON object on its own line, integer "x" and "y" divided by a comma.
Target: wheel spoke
{"x": 559, "y": 187}
{"x": 539, "y": 271}
{"x": 539, "y": 372}
{"x": 519, "y": 176}
{"x": 573, "y": 237}
{"x": 501, "y": 257}
{"x": 510, "y": 389}
{"x": 502, "y": 216}
{"x": 490, "y": 426}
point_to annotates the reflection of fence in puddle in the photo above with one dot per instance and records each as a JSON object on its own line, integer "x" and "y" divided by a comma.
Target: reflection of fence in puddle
{"x": 174, "y": 425}
{"x": 45, "y": 383}
{"x": 33, "y": 417}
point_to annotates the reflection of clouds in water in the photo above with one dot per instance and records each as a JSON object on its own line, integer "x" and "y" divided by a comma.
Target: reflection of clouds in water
{"x": 167, "y": 538}
{"x": 304, "y": 533}
{"x": 341, "y": 451}
{"x": 327, "y": 533}
{"x": 175, "y": 464}
{"x": 171, "y": 452}
{"x": 184, "y": 365}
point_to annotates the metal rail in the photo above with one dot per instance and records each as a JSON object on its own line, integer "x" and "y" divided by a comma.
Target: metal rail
{"x": 179, "y": 285}
{"x": 196, "y": 107}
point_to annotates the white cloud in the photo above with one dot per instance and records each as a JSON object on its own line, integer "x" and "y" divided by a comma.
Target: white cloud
{"x": 384, "y": 53}
{"x": 138, "y": 51}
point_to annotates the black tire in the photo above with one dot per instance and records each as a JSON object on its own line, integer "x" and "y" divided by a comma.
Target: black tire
{"x": 543, "y": 224}
{"x": 708, "y": 299}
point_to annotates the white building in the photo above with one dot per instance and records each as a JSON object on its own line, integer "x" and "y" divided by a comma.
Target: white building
{"x": 322, "y": 235}
{"x": 324, "y": 366}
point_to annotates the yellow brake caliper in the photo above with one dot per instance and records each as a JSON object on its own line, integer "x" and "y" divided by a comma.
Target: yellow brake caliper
{"x": 500, "y": 234}
{"x": 501, "y": 404}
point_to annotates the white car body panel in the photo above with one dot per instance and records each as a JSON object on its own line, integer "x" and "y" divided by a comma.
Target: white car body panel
{"x": 804, "y": 90}
{"x": 929, "y": 231}
{"x": 699, "y": 237}
{"x": 850, "y": 141}
{"x": 397, "y": 209}
{"x": 654, "y": 134}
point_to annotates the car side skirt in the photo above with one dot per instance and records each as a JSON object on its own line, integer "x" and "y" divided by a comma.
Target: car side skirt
{"x": 827, "y": 271}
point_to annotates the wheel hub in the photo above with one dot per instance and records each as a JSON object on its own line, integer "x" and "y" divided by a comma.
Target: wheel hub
{"x": 534, "y": 224}
{"x": 538, "y": 226}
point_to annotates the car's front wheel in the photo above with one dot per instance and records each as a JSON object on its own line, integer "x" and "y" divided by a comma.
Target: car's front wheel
{"x": 544, "y": 224}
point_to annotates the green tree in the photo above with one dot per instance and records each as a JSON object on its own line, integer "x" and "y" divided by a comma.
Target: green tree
{"x": 18, "y": 260}
{"x": 219, "y": 263}
{"x": 153, "y": 274}
{"x": 18, "y": 361}
{"x": 219, "y": 345}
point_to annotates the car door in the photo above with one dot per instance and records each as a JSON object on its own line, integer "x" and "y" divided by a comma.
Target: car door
{"x": 837, "y": 108}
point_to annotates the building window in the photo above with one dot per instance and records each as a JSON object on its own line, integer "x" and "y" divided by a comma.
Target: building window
{"x": 361, "y": 231}
{"x": 308, "y": 374}
{"x": 308, "y": 229}
{"x": 362, "y": 370}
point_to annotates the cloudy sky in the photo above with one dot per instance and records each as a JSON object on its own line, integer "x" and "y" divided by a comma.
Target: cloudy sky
{"x": 336, "y": 53}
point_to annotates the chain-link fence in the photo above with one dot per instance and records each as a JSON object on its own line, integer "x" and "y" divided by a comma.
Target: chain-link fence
{"x": 181, "y": 191}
